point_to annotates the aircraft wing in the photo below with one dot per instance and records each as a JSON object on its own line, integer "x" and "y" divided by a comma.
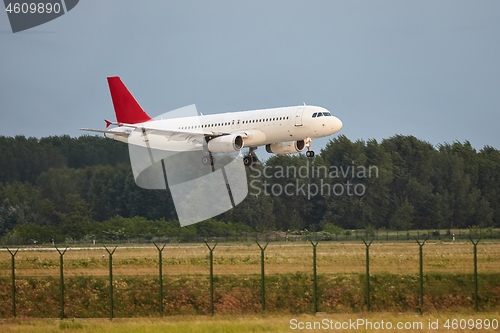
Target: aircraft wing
{"x": 175, "y": 134}
{"x": 194, "y": 135}
{"x": 170, "y": 134}
{"x": 124, "y": 134}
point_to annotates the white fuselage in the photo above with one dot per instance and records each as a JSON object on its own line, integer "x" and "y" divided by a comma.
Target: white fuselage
{"x": 258, "y": 127}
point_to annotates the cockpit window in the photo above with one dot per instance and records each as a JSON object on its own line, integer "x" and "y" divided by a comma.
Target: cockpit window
{"x": 328, "y": 114}
{"x": 320, "y": 114}
{"x": 314, "y": 114}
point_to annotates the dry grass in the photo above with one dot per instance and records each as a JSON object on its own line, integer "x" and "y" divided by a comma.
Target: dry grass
{"x": 333, "y": 257}
{"x": 238, "y": 324}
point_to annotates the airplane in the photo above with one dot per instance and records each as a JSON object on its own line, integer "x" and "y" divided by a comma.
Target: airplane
{"x": 284, "y": 130}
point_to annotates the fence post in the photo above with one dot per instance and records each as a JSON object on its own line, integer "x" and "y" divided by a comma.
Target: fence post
{"x": 160, "y": 272}
{"x": 421, "y": 289}
{"x": 111, "y": 300}
{"x": 61, "y": 277}
{"x": 315, "y": 277}
{"x": 13, "y": 263}
{"x": 211, "y": 249}
{"x": 368, "y": 303}
{"x": 262, "y": 276}
{"x": 476, "y": 296}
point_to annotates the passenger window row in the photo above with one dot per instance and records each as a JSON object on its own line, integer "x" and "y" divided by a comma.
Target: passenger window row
{"x": 227, "y": 124}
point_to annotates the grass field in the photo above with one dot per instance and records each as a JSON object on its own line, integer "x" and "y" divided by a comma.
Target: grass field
{"x": 275, "y": 324}
{"x": 333, "y": 257}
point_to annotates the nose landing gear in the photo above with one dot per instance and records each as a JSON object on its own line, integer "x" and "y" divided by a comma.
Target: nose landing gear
{"x": 309, "y": 152}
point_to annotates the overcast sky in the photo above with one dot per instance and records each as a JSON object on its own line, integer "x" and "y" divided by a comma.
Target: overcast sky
{"x": 425, "y": 68}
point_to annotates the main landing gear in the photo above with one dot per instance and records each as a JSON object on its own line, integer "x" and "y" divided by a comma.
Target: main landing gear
{"x": 309, "y": 152}
{"x": 207, "y": 160}
{"x": 250, "y": 159}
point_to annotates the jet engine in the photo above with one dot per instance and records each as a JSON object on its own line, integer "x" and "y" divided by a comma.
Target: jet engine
{"x": 225, "y": 144}
{"x": 289, "y": 147}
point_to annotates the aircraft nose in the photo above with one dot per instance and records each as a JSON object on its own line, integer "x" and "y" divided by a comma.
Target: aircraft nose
{"x": 337, "y": 124}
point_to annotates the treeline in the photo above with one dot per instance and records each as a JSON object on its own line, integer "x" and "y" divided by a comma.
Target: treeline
{"x": 77, "y": 187}
{"x": 25, "y": 159}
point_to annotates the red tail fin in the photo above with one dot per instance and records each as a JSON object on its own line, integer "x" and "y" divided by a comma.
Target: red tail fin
{"x": 127, "y": 109}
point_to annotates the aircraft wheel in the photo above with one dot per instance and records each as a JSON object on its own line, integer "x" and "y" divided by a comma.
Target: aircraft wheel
{"x": 254, "y": 159}
{"x": 310, "y": 153}
{"x": 247, "y": 160}
{"x": 207, "y": 160}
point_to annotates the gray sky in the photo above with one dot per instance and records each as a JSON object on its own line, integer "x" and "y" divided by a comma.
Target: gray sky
{"x": 425, "y": 68}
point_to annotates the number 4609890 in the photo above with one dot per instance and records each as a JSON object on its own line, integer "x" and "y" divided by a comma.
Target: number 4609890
{"x": 32, "y": 8}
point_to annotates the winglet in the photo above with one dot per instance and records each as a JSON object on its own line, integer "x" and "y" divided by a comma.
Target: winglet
{"x": 108, "y": 123}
